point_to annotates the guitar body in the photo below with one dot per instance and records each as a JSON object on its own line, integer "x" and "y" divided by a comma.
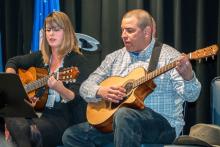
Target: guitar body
{"x": 101, "y": 114}
{"x": 30, "y": 75}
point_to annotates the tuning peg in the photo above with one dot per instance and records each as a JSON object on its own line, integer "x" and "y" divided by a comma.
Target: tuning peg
{"x": 206, "y": 59}
{"x": 199, "y": 60}
{"x": 213, "y": 57}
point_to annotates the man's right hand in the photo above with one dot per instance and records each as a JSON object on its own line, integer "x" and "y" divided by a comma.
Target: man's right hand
{"x": 112, "y": 93}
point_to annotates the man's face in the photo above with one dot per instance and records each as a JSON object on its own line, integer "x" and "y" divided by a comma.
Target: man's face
{"x": 133, "y": 36}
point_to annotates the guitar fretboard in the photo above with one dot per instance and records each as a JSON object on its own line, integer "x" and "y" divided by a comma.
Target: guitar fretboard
{"x": 154, "y": 74}
{"x": 37, "y": 84}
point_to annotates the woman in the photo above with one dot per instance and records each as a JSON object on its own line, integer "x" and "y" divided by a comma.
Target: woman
{"x": 59, "y": 49}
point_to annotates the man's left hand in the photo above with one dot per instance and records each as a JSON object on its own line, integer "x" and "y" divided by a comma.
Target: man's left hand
{"x": 184, "y": 67}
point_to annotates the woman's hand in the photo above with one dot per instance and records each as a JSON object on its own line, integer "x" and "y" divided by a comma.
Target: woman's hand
{"x": 10, "y": 70}
{"x": 54, "y": 84}
{"x": 33, "y": 101}
{"x": 58, "y": 86}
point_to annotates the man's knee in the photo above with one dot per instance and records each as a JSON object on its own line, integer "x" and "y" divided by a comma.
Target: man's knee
{"x": 75, "y": 131}
{"x": 66, "y": 135}
{"x": 122, "y": 116}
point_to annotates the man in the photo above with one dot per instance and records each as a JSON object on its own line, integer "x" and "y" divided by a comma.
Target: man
{"x": 161, "y": 120}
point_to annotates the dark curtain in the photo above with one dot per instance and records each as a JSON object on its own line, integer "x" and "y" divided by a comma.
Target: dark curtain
{"x": 185, "y": 24}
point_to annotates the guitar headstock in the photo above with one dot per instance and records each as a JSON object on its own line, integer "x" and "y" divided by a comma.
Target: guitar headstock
{"x": 204, "y": 52}
{"x": 68, "y": 75}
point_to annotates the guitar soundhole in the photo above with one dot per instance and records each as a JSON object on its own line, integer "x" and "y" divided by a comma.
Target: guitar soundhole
{"x": 128, "y": 86}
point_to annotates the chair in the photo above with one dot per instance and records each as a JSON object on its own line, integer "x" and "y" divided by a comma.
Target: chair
{"x": 215, "y": 100}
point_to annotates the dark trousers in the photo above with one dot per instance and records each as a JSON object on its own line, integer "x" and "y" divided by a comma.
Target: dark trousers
{"x": 131, "y": 128}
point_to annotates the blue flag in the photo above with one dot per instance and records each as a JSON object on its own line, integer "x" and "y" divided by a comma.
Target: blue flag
{"x": 41, "y": 9}
{"x": 1, "y": 53}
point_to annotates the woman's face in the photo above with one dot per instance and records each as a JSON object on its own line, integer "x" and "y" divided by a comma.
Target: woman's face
{"x": 54, "y": 36}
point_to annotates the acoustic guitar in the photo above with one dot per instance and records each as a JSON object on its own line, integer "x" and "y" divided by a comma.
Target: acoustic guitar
{"x": 138, "y": 84}
{"x": 35, "y": 80}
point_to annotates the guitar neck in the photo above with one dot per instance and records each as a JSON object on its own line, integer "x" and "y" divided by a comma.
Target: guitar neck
{"x": 154, "y": 74}
{"x": 157, "y": 72}
{"x": 65, "y": 75}
{"x": 160, "y": 71}
{"x": 36, "y": 84}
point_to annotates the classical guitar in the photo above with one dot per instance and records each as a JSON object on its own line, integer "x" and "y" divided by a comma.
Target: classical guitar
{"x": 35, "y": 79}
{"x": 138, "y": 85}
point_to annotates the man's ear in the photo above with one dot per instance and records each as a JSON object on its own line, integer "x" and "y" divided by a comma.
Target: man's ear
{"x": 147, "y": 31}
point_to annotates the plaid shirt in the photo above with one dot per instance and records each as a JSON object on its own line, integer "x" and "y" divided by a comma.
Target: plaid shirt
{"x": 171, "y": 91}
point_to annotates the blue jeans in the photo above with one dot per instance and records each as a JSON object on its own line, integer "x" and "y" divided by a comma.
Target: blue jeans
{"x": 131, "y": 128}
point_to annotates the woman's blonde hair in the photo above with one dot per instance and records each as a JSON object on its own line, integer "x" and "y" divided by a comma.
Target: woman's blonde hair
{"x": 69, "y": 43}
